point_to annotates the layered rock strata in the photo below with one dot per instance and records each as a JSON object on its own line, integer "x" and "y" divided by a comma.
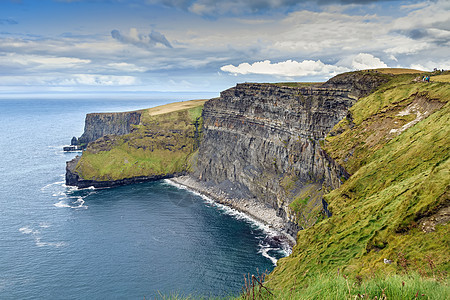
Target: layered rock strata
{"x": 100, "y": 124}
{"x": 161, "y": 146}
{"x": 261, "y": 147}
{"x": 262, "y": 142}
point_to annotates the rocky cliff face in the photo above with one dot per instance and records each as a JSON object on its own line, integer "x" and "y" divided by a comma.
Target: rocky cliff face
{"x": 263, "y": 141}
{"x": 160, "y": 144}
{"x": 101, "y": 124}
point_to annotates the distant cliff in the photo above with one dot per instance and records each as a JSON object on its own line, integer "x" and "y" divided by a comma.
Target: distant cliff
{"x": 100, "y": 124}
{"x": 147, "y": 145}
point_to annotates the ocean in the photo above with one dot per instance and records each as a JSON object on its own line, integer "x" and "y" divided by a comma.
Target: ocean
{"x": 132, "y": 242}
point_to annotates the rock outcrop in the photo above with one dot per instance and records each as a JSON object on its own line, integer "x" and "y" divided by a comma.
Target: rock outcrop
{"x": 73, "y": 178}
{"x": 101, "y": 124}
{"x": 160, "y": 146}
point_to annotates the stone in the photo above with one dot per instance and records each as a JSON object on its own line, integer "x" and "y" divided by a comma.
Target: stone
{"x": 74, "y": 141}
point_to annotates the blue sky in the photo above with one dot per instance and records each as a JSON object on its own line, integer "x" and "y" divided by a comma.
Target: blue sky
{"x": 90, "y": 46}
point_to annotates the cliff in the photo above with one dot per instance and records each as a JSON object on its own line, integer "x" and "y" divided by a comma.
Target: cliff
{"x": 391, "y": 215}
{"x": 160, "y": 146}
{"x": 98, "y": 125}
{"x": 263, "y": 141}
{"x": 361, "y": 163}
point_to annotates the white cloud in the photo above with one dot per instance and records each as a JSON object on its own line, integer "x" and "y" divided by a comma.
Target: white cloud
{"x": 367, "y": 61}
{"x": 408, "y": 48}
{"x": 126, "y": 67}
{"x": 430, "y": 65}
{"x": 269, "y": 42}
{"x": 141, "y": 40}
{"x": 98, "y": 80}
{"x": 40, "y": 61}
{"x": 70, "y": 80}
{"x": 288, "y": 68}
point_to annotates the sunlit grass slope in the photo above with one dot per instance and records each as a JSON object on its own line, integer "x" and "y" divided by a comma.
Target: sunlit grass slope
{"x": 397, "y": 71}
{"x": 162, "y": 144}
{"x": 396, "y": 145}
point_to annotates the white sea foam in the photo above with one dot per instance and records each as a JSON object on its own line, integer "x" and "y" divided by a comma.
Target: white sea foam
{"x": 57, "y": 183}
{"x": 37, "y": 236}
{"x": 80, "y": 201}
{"x": 264, "y": 250}
{"x": 285, "y": 248}
{"x": 26, "y": 230}
{"x": 61, "y": 203}
{"x": 39, "y": 243}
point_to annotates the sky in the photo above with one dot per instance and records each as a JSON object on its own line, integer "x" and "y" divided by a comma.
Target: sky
{"x": 139, "y": 46}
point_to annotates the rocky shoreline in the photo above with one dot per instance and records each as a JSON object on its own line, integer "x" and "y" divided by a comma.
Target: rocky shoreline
{"x": 250, "y": 207}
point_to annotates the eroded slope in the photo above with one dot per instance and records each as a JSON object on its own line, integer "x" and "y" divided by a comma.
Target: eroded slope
{"x": 396, "y": 146}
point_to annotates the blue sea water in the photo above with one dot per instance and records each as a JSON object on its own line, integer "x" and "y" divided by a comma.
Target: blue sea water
{"x": 129, "y": 242}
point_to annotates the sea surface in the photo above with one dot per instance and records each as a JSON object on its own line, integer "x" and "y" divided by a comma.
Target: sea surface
{"x": 129, "y": 242}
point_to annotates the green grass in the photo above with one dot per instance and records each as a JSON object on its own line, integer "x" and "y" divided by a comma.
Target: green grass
{"x": 339, "y": 286}
{"x": 396, "y": 182}
{"x": 163, "y": 144}
{"x": 296, "y": 84}
{"x": 397, "y": 71}
{"x": 373, "y": 117}
{"x": 440, "y": 78}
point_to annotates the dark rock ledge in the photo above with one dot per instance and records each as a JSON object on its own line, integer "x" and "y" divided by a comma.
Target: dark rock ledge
{"x": 73, "y": 179}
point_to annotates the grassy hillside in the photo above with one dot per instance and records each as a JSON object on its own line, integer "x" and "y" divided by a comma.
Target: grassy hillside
{"x": 397, "y": 71}
{"x": 395, "y": 206}
{"x": 163, "y": 143}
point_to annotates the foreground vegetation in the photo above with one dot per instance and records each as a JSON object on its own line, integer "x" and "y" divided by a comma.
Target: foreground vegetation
{"x": 396, "y": 145}
{"x": 338, "y": 286}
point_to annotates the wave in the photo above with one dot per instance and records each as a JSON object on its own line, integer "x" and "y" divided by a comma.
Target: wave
{"x": 57, "y": 183}
{"x": 26, "y": 230}
{"x": 282, "y": 248}
{"x": 39, "y": 243}
{"x": 37, "y": 236}
{"x": 61, "y": 204}
{"x": 264, "y": 250}
{"x": 66, "y": 195}
{"x": 80, "y": 201}
{"x": 44, "y": 225}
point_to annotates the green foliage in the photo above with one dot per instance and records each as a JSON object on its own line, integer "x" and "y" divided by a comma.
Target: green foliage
{"x": 296, "y": 84}
{"x": 394, "y": 105}
{"x": 333, "y": 286}
{"x": 299, "y": 204}
{"x": 398, "y": 180}
{"x": 163, "y": 144}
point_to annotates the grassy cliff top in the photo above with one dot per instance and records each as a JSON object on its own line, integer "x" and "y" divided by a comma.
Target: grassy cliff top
{"x": 173, "y": 107}
{"x": 395, "y": 206}
{"x": 162, "y": 144}
{"x": 396, "y": 71}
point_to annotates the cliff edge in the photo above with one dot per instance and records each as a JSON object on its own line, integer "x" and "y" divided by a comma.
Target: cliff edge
{"x": 160, "y": 146}
{"x": 262, "y": 142}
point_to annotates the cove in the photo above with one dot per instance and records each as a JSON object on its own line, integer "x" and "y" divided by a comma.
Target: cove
{"x": 126, "y": 242}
